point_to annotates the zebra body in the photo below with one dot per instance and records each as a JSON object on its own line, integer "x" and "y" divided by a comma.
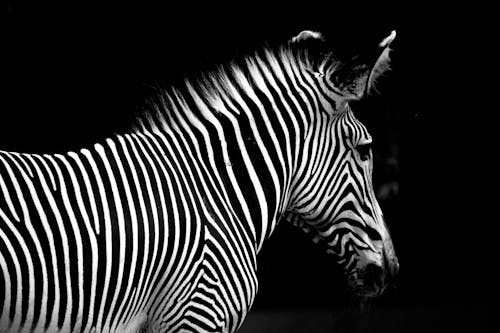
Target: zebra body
{"x": 158, "y": 230}
{"x": 129, "y": 223}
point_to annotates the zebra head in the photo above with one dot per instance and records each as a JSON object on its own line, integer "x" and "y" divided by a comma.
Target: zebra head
{"x": 332, "y": 195}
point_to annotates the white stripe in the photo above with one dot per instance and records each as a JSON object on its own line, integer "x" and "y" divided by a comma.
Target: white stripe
{"x": 16, "y": 321}
{"x": 140, "y": 288}
{"x": 47, "y": 168}
{"x": 107, "y": 226}
{"x": 6, "y": 195}
{"x": 64, "y": 238}
{"x": 88, "y": 188}
{"x": 92, "y": 239}
{"x": 128, "y": 164}
{"x": 121, "y": 243}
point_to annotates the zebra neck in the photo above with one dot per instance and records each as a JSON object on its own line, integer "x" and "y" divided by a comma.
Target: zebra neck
{"x": 239, "y": 164}
{"x": 241, "y": 127}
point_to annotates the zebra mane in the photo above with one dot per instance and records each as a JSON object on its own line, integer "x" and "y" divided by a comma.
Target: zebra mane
{"x": 227, "y": 82}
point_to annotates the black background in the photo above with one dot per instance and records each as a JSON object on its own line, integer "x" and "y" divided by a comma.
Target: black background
{"x": 73, "y": 74}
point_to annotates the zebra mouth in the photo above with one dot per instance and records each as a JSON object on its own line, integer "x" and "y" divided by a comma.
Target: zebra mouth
{"x": 369, "y": 282}
{"x": 362, "y": 291}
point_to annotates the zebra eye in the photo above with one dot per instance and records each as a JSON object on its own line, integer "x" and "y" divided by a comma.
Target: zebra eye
{"x": 364, "y": 150}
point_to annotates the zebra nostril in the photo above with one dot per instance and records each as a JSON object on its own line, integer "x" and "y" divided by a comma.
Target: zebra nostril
{"x": 392, "y": 267}
{"x": 394, "y": 274}
{"x": 395, "y": 270}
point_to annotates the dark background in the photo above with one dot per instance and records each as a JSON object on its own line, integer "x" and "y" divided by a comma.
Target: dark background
{"x": 72, "y": 74}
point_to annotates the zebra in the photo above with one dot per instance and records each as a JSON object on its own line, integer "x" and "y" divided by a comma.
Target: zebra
{"x": 158, "y": 229}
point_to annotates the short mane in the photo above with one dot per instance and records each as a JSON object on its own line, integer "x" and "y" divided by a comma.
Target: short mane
{"x": 215, "y": 87}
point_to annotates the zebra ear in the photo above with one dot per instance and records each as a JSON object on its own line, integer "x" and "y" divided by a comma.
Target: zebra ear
{"x": 357, "y": 78}
{"x": 307, "y": 35}
{"x": 383, "y": 63}
{"x": 312, "y": 42}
